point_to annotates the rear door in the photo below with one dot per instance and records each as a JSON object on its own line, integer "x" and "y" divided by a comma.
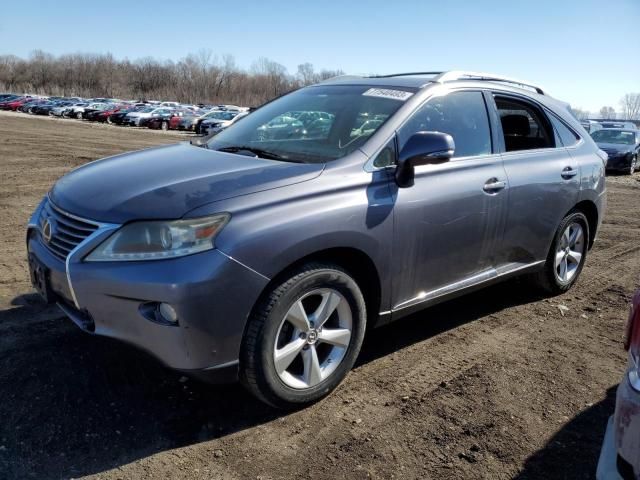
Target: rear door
{"x": 543, "y": 179}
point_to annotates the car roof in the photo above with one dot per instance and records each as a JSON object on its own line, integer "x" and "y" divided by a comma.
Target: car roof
{"x": 418, "y": 80}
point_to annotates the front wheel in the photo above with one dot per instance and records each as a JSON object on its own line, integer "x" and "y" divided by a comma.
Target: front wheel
{"x": 634, "y": 164}
{"x": 566, "y": 256}
{"x": 303, "y": 337}
{"x": 164, "y": 126}
{"x": 79, "y": 115}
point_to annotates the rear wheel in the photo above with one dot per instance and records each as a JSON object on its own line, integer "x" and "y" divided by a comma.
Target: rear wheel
{"x": 164, "y": 126}
{"x": 79, "y": 115}
{"x": 304, "y": 337}
{"x": 634, "y": 164}
{"x": 566, "y": 256}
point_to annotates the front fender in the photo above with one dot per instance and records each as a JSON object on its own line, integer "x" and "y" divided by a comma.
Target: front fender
{"x": 271, "y": 230}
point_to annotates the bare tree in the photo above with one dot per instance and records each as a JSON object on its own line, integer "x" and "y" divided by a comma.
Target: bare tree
{"x": 607, "y": 113}
{"x": 202, "y": 77}
{"x": 580, "y": 113}
{"x": 306, "y": 74}
{"x": 630, "y": 104}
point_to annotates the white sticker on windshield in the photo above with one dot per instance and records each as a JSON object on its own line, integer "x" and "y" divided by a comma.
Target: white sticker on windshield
{"x": 387, "y": 93}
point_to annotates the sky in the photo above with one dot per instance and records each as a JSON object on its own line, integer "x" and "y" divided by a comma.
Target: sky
{"x": 585, "y": 52}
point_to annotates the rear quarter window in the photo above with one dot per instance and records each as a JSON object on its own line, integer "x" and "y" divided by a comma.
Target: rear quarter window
{"x": 567, "y": 136}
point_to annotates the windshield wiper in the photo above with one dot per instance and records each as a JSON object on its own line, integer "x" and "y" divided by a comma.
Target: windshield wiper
{"x": 257, "y": 151}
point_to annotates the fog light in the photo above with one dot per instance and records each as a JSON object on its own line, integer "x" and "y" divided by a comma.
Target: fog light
{"x": 168, "y": 313}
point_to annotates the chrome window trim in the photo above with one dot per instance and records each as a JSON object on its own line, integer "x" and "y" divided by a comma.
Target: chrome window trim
{"x": 368, "y": 166}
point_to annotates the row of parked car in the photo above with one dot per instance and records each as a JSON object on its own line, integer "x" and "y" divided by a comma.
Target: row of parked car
{"x": 201, "y": 119}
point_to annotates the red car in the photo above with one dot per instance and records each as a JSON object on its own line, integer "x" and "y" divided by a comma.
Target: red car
{"x": 620, "y": 454}
{"x": 105, "y": 115}
{"x": 174, "y": 122}
{"x": 164, "y": 123}
{"x": 14, "y": 104}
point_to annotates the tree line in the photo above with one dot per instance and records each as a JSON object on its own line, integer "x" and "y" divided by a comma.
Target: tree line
{"x": 629, "y": 110}
{"x": 197, "y": 78}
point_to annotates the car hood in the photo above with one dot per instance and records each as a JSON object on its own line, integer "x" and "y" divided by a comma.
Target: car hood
{"x": 614, "y": 147}
{"x": 167, "y": 182}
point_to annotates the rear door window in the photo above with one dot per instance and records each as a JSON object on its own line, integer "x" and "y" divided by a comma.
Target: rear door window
{"x": 524, "y": 126}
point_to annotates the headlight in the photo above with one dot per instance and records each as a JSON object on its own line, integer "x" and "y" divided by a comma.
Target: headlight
{"x": 159, "y": 240}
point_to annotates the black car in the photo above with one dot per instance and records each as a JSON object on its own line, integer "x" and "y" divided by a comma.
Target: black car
{"x": 622, "y": 146}
{"x": 45, "y": 108}
{"x": 118, "y": 117}
{"x": 28, "y": 107}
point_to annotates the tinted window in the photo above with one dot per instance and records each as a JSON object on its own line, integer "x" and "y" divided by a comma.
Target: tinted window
{"x": 524, "y": 126}
{"x": 567, "y": 136}
{"x": 463, "y": 115}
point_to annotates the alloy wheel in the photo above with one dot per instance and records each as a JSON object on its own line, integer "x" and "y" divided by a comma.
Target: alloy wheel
{"x": 569, "y": 252}
{"x": 313, "y": 338}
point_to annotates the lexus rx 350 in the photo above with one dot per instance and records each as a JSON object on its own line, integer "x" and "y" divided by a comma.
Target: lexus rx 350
{"x": 265, "y": 257}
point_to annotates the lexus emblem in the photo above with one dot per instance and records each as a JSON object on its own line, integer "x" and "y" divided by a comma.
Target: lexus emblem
{"x": 47, "y": 230}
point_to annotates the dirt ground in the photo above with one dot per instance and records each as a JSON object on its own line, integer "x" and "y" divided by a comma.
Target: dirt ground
{"x": 498, "y": 384}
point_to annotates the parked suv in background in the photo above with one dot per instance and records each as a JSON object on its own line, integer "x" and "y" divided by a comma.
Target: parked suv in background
{"x": 265, "y": 259}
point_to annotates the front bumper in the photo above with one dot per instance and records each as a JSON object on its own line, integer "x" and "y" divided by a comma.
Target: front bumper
{"x": 211, "y": 293}
{"x": 619, "y": 162}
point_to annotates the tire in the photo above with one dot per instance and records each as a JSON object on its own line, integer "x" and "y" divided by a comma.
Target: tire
{"x": 109, "y": 121}
{"x": 78, "y": 115}
{"x": 272, "y": 332}
{"x": 634, "y": 164}
{"x": 164, "y": 126}
{"x": 551, "y": 279}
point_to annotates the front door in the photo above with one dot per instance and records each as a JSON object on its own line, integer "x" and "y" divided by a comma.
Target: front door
{"x": 449, "y": 224}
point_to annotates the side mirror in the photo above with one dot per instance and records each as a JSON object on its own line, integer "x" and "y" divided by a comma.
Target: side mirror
{"x": 423, "y": 148}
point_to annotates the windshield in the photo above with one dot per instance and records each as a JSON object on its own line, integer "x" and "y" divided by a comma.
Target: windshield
{"x": 621, "y": 137}
{"x": 316, "y": 124}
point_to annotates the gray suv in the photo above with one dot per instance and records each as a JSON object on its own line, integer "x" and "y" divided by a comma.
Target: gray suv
{"x": 265, "y": 258}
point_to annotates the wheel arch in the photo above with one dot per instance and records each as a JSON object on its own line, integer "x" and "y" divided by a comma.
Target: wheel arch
{"x": 354, "y": 261}
{"x": 589, "y": 209}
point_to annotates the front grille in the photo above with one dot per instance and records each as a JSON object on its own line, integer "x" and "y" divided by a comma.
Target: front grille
{"x": 611, "y": 152}
{"x": 67, "y": 231}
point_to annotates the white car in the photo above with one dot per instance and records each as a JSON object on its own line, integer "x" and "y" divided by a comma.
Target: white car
{"x": 216, "y": 123}
{"x": 134, "y": 118}
{"x": 78, "y": 111}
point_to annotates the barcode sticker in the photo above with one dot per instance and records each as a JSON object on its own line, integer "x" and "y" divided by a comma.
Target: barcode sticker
{"x": 388, "y": 93}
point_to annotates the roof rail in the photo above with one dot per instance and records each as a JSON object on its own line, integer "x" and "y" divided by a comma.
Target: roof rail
{"x": 454, "y": 75}
{"x": 407, "y": 74}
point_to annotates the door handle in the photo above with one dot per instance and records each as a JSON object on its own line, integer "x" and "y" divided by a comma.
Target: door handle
{"x": 568, "y": 172}
{"x": 494, "y": 185}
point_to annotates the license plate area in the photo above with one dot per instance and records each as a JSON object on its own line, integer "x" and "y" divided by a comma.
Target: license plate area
{"x": 39, "y": 274}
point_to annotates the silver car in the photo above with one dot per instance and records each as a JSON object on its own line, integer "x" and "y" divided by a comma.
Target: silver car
{"x": 264, "y": 257}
